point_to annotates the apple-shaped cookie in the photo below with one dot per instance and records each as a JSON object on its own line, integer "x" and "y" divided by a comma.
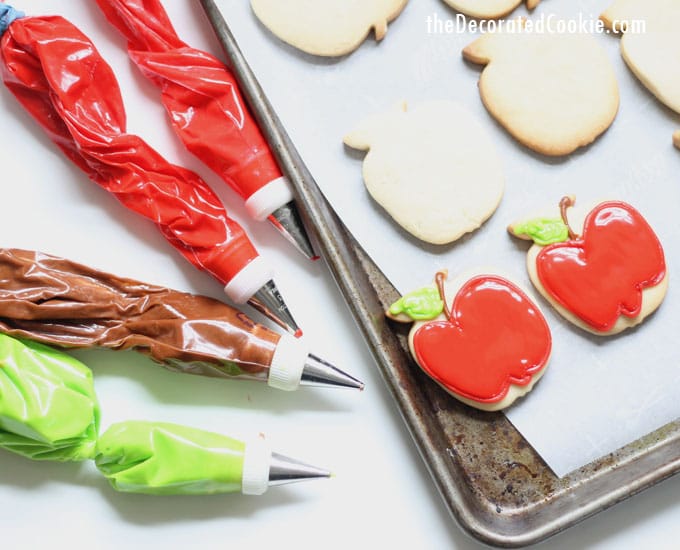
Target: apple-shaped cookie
{"x": 552, "y": 92}
{"x": 487, "y": 347}
{"x": 652, "y": 53}
{"x": 676, "y": 139}
{"x": 488, "y": 9}
{"x": 328, "y": 28}
{"x": 432, "y": 167}
{"x": 608, "y": 278}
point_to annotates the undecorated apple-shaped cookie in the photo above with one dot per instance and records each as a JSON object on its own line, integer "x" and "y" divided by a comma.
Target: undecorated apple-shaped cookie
{"x": 327, "y": 27}
{"x": 605, "y": 279}
{"x": 488, "y": 9}
{"x": 652, "y": 53}
{"x": 676, "y": 139}
{"x": 480, "y": 337}
{"x": 431, "y": 167}
{"x": 553, "y": 92}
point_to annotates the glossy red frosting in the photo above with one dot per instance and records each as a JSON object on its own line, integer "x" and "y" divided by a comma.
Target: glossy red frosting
{"x": 600, "y": 275}
{"x": 494, "y": 336}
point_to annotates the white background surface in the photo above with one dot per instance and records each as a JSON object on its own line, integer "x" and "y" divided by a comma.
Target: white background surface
{"x": 382, "y": 494}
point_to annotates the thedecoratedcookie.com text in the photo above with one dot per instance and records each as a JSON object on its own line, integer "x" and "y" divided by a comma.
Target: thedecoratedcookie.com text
{"x": 545, "y": 23}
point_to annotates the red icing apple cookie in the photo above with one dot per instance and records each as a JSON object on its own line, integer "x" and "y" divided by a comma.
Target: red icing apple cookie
{"x": 607, "y": 278}
{"x": 481, "y": 338}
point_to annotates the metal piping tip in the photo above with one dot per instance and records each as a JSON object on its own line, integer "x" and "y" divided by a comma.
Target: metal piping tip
{"x": 287, "y": 217}
{"x": 269, "y": 302}
{"x": 283, "y": 469}
{"x": 288, "y": 222}
{"x": 318, "y": 372}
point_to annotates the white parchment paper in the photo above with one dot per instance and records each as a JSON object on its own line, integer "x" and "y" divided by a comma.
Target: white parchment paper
{"x": 598, "y": 393}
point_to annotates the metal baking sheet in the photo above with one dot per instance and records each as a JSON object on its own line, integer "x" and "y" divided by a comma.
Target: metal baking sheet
{"x": 319, "y": 100}
{"x": 495, "y": 485}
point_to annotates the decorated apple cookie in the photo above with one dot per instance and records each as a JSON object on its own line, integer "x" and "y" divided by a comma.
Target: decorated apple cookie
{"x": 480, "y": 337}
{"x": 432, "y": 167}
{"x": 488, "y": 9}
{"x": 552, "y": 92}
{"x": 652, "y": 55}
{"x": 327, "y": 27}
{"x": 606, "y": 278}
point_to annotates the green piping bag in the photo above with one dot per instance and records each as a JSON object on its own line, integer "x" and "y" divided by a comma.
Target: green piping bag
{"x": 48, "y": 407}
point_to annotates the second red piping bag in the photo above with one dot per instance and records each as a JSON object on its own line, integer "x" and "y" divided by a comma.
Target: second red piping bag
{"x": 208, "y": 113}
{"x": 59, "y": 77}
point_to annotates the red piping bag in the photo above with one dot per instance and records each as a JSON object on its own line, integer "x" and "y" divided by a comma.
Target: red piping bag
{"x": 61, "y": 80}
{"x": 208, "y": 113}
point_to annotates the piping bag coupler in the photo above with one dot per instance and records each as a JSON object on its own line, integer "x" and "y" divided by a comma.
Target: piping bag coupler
{"x": 56, "y": 301}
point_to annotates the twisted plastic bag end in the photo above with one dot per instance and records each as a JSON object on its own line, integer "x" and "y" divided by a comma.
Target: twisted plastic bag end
{"x": 7, "y": 15}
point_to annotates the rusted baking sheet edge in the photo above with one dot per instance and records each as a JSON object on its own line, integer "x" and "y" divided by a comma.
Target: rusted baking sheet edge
{"x": 496, "y": 487}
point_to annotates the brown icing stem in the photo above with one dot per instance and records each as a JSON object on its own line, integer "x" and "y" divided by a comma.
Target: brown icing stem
{"x": 566, "y": 203}
{"x": 440, "y": 279}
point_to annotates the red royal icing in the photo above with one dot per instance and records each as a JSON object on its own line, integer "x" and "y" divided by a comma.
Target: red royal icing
{"x": 494, "y": 337}
{"x": 600, "y": 275}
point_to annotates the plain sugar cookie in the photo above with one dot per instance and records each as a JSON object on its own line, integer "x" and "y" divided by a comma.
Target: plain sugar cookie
{"x": 488, "y": 9}
{"x": 607, "y": 277}
{"x": 327, "y": 27}
{"x": 553, "y": 92}
{"x": 653, "y": 54}
{"x": 480, "y": 337}
{"x": 432, "y": 167}
{"x": 676, "y": 139}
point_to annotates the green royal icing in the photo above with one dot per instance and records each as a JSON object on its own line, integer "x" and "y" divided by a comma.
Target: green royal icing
{"x": 168, "y": 459}
{"x": 420, "y": 305}
{"x": 49, "y": 411}
{"x": 48, "y": 407}
{"x": 544, "y": 231}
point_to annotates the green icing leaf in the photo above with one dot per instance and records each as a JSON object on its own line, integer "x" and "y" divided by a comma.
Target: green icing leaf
{"x": 419, "y": 305}
{"x": 544, "y": 231}
{"x": 168, "y": 459}
{"x": 48, "y": 407}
